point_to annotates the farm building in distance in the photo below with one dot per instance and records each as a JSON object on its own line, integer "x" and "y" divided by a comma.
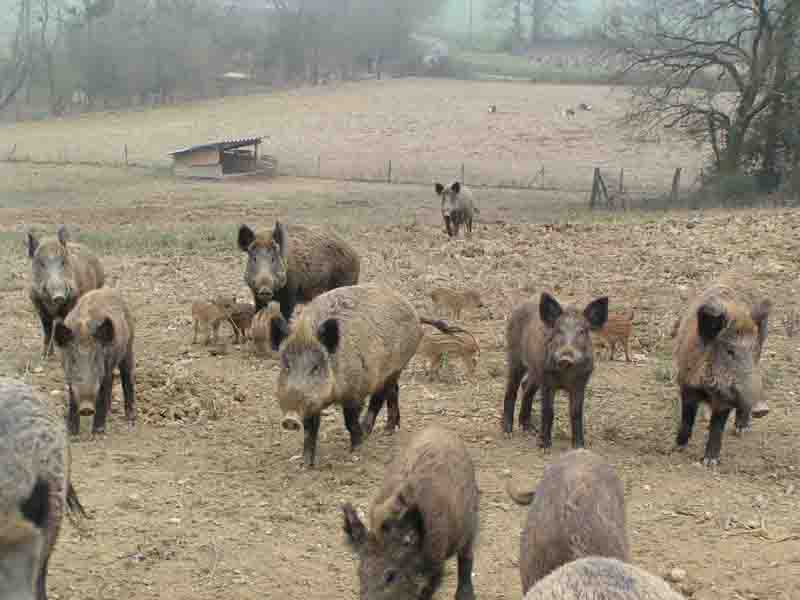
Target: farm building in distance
{"x": 226, "y": 158}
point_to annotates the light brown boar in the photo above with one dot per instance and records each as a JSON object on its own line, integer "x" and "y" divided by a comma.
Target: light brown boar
{"x": 259, "y": 329}
{"x": 96, "y": 339}
{"x": 348, "y": 343}
{"x": 717, "y": 353}
{"x": 296, "y": 264}
{"x": 576, "y": 510}
{"x": 35, "y": 489}
{"x": 425, "y": 513}
{"x": 601, "y": 578}
{"x": 552, "y": 345}
{"x": 617, "y": 330}
{"x": 435, "y": 346}
{"x": 62, "y": 271}
{"x": 241, "y": 319}
{"x": 455, "y": 301}
{"x": 210, "y": 315}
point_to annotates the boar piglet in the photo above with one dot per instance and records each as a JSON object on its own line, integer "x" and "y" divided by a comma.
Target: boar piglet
{"x": 718, "y": 347}
{"x": 95, "y": 339}
{"x": 552, "y": 345}
{"x": 425, "y": 513}
{"x": 35, "y": 489}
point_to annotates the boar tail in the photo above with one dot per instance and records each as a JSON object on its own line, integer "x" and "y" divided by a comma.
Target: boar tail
{"x": 74, "y": 505}
{"x": 445, "y": 328}
{"x": 523, "y": 497}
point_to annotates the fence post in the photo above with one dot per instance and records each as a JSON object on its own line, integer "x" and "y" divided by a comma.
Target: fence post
{"x": 595, "y": 188}
{"x": 389, "y": 172}
{"x": 319, "y": 165}
{"x": 676, "y": 183}
{"x": 622, "y": 180}
{"x": 126, "y": 155}
{"x": 463, "y": 182}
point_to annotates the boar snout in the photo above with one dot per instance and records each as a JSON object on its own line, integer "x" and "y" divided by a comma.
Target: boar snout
{"x": 566, "y": 358}
{"x": 86, "y": 409}
{"x": 291, "y": 422}
{"x": 264, "y": 293}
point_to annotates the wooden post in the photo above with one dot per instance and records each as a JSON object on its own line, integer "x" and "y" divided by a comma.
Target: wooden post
{"x": 622, "y": 180}
{"x": 676, "y": 184}
{"x": 126, "y": 155}
{"x": 603, "y": 188}
{"x": 389, "y": 173}
{"x": 462, "y": 174}
{"x": 319, "y": 165}
{"x": 595, "y": 189}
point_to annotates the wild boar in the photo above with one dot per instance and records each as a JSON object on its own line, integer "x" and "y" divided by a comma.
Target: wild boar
{"x": 455, "y": 300}
{"x": 348, "y": 343}
{"x": 601, "y": 578}
{"x": 717, "y": 353}
{"x": 425, "y": 513}
{"x": 95, "y": 339}
{"x": 209, "y": 316}
{"x": 259, "y": 328}
{"x": 435, "y": 347}
{"x": 62, "y": 271}
{"x": 577, "y": 510}
{"x": 296, "y": 264}
{"x": 617, "y": 330}
{"x": 458, "y": 207}
{"x": 552, "y": 345}
{"x": 35, "y": 489}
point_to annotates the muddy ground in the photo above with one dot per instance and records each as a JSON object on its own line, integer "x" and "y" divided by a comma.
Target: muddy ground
{"x": 207, "y": 498}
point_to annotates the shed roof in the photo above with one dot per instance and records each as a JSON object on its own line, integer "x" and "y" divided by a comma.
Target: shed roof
{"x": 220, "y": 145}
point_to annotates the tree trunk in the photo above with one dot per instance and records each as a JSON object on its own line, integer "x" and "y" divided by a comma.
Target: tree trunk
{"x": 538, "y": 18}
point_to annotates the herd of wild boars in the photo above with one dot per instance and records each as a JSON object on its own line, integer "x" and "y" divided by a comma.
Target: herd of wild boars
{"x": 342, "y": 342}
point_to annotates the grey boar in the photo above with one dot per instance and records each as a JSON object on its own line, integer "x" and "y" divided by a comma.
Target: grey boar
{"x": 95, "y": 339}
{"x": 457, "y": 207}
{"x": 35, "y": 489}
{"x": 62, "y": 271}
{"x": 348, "y": 343}
{"x": 576, "y": 510}
{"x": 425, "y": 513}
{"x": 718, "y": 348}
{"x": 601, "y": 578}
{"x": 552, "y": 345}
{"x": 296, "y": 264}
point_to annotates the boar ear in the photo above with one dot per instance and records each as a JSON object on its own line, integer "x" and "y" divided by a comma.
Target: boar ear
{"x": 102, "y": 331}
{"x": 549, "y": 309}
{"x": 37, "y": 506}
{"x": 246, "y": 237}
{"x": 62, "y": 234}
{"x": 278, "y": 331}
{"x": 328, "y": 334}
{"x": 279, "y": 237}
{"x": 710, "y": 321}
{"x": 62, "y": 334}
{"x": 596, "y": 312}
{"x": 33, "y": 244}
{"x": 455, "y": 187}
{"x": 439, "y": 188}
{"x": 761, "y": 311}
{"x": 353, "y": 527}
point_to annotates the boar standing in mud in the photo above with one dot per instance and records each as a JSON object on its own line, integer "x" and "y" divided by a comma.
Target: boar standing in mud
{"x": 95, "y": 339}
{"x": 62, "y": 271}
{"x": 35, "y": 489}
{"x": 601, "y": 578}
{"x": 296, "y": 264}
{"x": 348, "y": 344}
{"x": 718, "y": 349}
{"x": 457, "y": 207}
{"x": 577, "y": 510}
{"x": 425, "y": 512}
{"x": 552, "y": 345}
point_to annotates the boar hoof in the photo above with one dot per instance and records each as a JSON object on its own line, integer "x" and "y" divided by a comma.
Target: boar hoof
{"x": 710, "y": 462}
{"x": 465, "y": 593}
{"x": 743, "y": 428}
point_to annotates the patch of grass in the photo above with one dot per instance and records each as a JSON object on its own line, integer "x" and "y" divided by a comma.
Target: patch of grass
{"x": 487, "y": 65}
{"x": 151, "y": 241}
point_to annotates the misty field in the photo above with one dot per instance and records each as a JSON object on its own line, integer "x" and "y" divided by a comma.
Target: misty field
{"x": 207, "y": 497}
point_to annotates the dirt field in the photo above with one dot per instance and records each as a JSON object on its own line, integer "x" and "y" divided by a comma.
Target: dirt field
{"x": 426, "y": 127}
{"x": 207, "y": 497}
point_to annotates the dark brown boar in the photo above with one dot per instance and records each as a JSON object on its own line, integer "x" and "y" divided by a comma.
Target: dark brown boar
{"x": 552, "y": 345}
{"x": 601, "y": 578}
{"x": 718, "y": 349}
{"x": 296, "y": 264}
{"x": 457, "y": 207}
{"x": 425, "y": 513}
{"x": 35, "y": 489}
{"x": 347, "y": 344}
{"x": 62, "y": 271}
{"x": 577, "y": 509}
{"x": 95, "y": 339}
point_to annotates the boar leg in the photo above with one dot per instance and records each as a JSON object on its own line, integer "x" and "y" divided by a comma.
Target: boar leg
{"x": 311, "y": 433}
{"x": 576, "y": 398}
{"x": 465, "y": 591}
{"x": 392, "y": 395}
{"x": 128, "y": 379}
{"x": 689, "y": 401}
{"x": 743, "y": 420}
{"x": 715, "y": 429}
{"x": 73, "y": 416}
{"x": 515, "y": 372}
{"x": 528, "y": 392}
{"x": 41, "y": 580}
{"x": 374, "y": 407}
{"x": 47, "y": 328}
{"x": 351, "y": 413}
{"x": 627, "y": 350}
{"x": 447, "y": 226}
{"x": 102, "y": 403}
{"x": 546, "y": 434}
{"x": 287, "y": 298}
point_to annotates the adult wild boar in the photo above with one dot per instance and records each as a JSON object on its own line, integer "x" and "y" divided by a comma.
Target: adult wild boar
{"x": 577, "y": 510}
{"x": 95, "y": 339}
{"x": 35, "y": 489}
{"x": 296, "y": 264}
{"x": 425, "y": 512}
{"x": 552, "y": 345}
{"x": 62, "y": 271}
{"x": 601, "y": 578}
{"x": 347, "y": 344}
{"x": 718, "y": 349}
{"x": 457, "y": 207}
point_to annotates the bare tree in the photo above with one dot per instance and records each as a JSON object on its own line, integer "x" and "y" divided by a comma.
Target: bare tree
{"x": 17, "y": 71}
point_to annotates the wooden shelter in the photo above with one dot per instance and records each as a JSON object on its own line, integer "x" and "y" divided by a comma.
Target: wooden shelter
{"x": 219, "y": 160}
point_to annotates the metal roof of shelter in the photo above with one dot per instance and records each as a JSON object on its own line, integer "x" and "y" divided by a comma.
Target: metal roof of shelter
{"x": 221, "y": 145}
